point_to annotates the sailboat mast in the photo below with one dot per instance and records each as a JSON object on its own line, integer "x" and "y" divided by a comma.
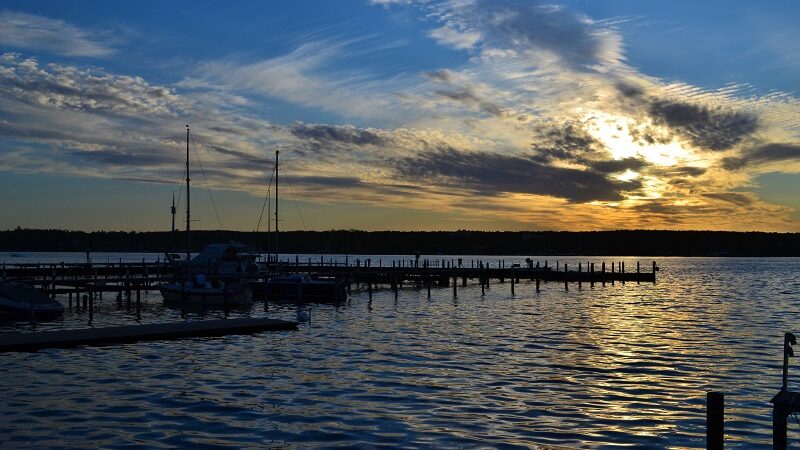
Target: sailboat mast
{"x": 277, "y": 152}
{"x": 172, "y": 210}
{"x": 188, "y": 209}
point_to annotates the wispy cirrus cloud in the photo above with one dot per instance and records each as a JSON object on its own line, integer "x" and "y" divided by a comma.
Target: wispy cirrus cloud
{"x": 32, "y": 32}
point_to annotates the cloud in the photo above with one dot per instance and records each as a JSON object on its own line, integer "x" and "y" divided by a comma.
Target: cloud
{"x": 70, "y": 88}
{"x": 460, "y": 40}
{"x": 341, "y": 134}
{"x": 311, "y": 75}
{"x": 468, "y": 97}
{"x": 736, "y": 198}
{"x": 27, "y": 31}
{"x": 763, "y": 154}
{"x": 706, "y": 128}
{"x": 492, "y": 173}
{"x": 576, "y": 40}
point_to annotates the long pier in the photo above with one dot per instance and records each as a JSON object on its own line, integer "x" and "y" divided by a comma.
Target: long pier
{"x": 76, "y": 279}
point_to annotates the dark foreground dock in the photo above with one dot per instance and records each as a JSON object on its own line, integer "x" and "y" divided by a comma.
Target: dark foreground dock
{"x": 27, "y": 342}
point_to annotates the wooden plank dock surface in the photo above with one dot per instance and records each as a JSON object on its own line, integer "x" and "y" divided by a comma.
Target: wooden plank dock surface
{"x": 26, "y": 342}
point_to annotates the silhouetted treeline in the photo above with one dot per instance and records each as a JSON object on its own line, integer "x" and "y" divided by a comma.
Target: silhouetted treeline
{"x": 624, "y": 242}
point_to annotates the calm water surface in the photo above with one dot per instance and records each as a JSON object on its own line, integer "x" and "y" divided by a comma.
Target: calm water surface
{"x": 624, "y": 365}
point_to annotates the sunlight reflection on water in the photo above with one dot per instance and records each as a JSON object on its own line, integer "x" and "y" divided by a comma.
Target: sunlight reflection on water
{"x": 625, "y": 364}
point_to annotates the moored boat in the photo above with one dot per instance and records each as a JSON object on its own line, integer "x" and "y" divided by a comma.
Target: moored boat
{"x": 302, "y": 288}
{"x": 235, "y": 294}
{"x": 225, "y": 262}
{"x": 18, "y": 300}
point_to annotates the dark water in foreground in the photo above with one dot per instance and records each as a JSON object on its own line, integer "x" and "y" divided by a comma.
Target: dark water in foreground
{"x": 604, "y": 367}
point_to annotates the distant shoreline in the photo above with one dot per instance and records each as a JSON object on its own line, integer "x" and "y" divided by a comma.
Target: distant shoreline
{"x": 543, "y": 243}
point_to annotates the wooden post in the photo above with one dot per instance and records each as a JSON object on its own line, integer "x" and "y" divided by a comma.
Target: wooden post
{"x": 603, "y": 272}
{"x": 369, "y": 289}
{"x": 780, "y": 418}
{"x": 580, "y": 270}
{"x": 654, "y": 272}
{"x": 612, "y": 273}
{"x": 566, "y": 283}
{"x": 715, "y": 420}
{"x": 591, "y": 275}
{"x": 512, "y": 281}
{"x": 483, "y": 283}
{"x": 537, "y": 283}
{"x": 455, "y": 286}
{"x": 622, "y": 271}
{"x": 428, "y": 283}
{"x": 637, "y": 272}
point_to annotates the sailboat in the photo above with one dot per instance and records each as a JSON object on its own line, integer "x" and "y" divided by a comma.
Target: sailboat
{"x": 299, "y": 287}
{"x": 196, "y": 289}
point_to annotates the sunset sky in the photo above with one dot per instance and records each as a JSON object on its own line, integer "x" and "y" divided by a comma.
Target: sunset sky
{"x": 406, "y": 115}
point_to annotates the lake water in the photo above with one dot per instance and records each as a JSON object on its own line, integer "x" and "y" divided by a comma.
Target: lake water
{"x": 623, "y": 365}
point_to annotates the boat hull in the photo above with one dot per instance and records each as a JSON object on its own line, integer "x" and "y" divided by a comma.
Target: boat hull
{"x": 21, "y": 301}
{"x": 317, "y": 291}
{"x": 177, "y": 294}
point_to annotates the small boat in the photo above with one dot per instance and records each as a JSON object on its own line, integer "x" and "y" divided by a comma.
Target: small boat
{"x": 18, "y": 300}
{"x": 302, "y": 288}
{"x": 234, "y": 294}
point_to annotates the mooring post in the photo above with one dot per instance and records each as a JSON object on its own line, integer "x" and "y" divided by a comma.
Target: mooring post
{"x": 637, "y": 272}
{"x": 512, "y": 281}
{"x": 369, "y": 289}
{"x": 537, "y": 282}
{"x": 612, "y": 273}
{"x": 603, "y": 272}
{"x": 580, "y": 270}
{"x": 622, "y": 271}
{"x": 428, "y": 283}
{"x": 654, "y": 272}
{"x": 591, "y": 275}
{"x": 566, "y": 283}
{"x": 715, "y": 420}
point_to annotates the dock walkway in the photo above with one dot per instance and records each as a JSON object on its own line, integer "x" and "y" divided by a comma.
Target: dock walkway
{"x": 26, "y": 342}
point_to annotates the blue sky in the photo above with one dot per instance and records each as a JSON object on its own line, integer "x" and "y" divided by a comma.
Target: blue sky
{"x": 404, "y": 114}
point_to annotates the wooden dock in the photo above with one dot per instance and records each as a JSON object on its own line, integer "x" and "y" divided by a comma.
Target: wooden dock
{"x": 82, "y": 280}
{"x": 27, "y": 342}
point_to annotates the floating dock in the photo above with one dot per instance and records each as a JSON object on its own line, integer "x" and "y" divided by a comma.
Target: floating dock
{"x": 29, "y": 342}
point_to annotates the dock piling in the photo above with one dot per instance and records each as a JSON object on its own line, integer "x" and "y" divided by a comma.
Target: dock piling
{"x": 715, "y": 419}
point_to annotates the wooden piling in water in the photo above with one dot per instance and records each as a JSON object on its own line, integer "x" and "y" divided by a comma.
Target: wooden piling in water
{"x": 566, "y": 282}
{"x": 512, "y": 281}
{"x": 603, "y": 272}
{"x": 715, "y": 421}
{"x": 637, "y": 271}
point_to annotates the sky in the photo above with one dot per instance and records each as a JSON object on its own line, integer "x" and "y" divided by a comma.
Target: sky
{"x": 401, "y": 114}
